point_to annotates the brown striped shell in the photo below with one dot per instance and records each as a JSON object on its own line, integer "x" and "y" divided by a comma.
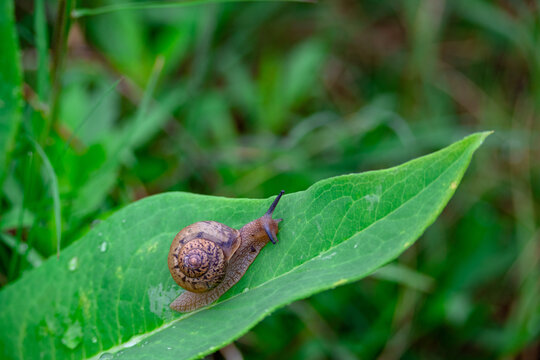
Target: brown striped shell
{"x": 199, "y": 255}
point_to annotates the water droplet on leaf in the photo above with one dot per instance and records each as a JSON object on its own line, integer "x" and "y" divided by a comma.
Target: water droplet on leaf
{"x": 73, "y": 263}
{"x": 73, "y": 336}
{"x": 103, "y": 246}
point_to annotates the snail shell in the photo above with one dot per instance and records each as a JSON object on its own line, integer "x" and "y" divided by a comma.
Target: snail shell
{"x": 200, "y": 253}
{"x": 207, "y": 258}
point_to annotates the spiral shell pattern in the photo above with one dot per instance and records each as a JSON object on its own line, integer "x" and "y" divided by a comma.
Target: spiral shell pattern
{"x": 202, "y": 264}
{"x": 200, "y": 253}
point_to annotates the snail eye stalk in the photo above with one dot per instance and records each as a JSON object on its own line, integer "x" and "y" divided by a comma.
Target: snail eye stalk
{"x": 274, "y": 204}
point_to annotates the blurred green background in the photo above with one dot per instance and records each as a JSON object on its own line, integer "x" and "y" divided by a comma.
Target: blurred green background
{"x": 245, "y": 99}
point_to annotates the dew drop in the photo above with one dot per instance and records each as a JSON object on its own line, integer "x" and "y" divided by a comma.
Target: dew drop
{"x": 73, "y": 335}
{"x": 245, "y": 290}
{"x": 73, "y": 263}
{"x": 106, "y": 356}
{"x": 103, "y": 246}
{"x": 169, "y": 348}
{"x": 328, "y": 257}
{"x": 94, "y": 340}
{"x": 124, "y": 221}
{"x": 99, "y": 234}
{"x": 355, "y": 246}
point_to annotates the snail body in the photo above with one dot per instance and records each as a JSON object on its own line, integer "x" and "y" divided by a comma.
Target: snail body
{"x": 207, "y": 258}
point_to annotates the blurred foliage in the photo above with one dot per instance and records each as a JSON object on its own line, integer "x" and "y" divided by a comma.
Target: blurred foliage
{"x": 242, "y": 100}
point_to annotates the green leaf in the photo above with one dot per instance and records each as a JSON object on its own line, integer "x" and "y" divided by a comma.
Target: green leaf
{"x": 10, "y": 84}
{"x": 114, "y": 283}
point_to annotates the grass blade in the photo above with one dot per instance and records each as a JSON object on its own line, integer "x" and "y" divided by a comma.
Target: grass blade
{"x": 59, "y": 51}
{"x": 131, "y": 129}
{"x": 55, "y": 193}
{"x": 146, "y": 5}
{"x": 32, "y": 256}
{"x": 88, "y": 116}
{"x": 40, "y": 28}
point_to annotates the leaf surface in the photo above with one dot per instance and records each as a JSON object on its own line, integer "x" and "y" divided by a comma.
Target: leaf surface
{"x": 109, "y": 292}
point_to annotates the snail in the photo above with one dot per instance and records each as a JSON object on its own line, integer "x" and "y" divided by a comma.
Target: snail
{"x": 207, "y": 258}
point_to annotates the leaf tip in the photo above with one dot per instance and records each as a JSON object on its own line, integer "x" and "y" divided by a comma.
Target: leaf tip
{"x": 476, "y": 139}
{"x": 482, "y": 135}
